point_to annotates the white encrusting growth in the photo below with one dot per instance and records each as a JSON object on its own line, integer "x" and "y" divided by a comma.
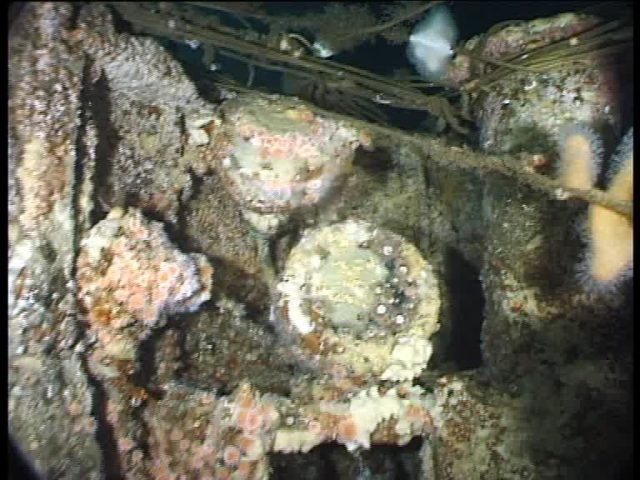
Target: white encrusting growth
{"x": 343, "y": 295}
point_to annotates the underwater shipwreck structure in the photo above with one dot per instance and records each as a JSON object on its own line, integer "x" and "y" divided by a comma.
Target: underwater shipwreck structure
{"x": 209, "y": 280}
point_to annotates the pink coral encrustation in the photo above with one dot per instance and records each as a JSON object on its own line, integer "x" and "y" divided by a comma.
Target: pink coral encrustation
{"x": 129, "y": 272}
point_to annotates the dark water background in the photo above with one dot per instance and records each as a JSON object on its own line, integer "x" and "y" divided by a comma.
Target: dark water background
{"x": 379, "y": 56}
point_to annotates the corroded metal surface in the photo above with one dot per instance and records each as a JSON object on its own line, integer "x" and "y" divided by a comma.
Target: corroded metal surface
{"x": 145, "y": 267}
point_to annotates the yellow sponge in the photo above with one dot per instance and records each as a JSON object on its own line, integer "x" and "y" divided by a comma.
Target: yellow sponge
{"x": 611, "y": 233}
{"x": 580, "y": 154}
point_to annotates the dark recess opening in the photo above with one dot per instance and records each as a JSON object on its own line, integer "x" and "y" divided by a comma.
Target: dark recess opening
{"x": 466, "y": 307}
{"x": 20, "y": 465}
{"x": 331, "y": 461}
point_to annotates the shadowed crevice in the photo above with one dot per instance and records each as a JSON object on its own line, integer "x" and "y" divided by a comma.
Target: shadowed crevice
{"x": 466, "y": 307}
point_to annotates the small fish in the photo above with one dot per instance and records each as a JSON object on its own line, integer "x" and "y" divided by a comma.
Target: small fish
{"x": 322, "y": 49}
{"x": 431, "y": 43}
{"x": 193, "y": 43}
